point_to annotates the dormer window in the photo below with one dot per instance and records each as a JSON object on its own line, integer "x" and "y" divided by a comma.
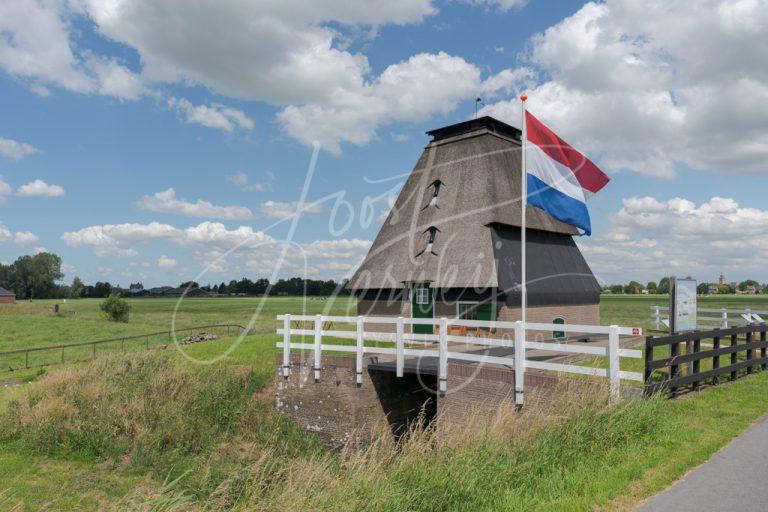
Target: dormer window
{"x": 429, "y": 236}
{"x": 435, "y": 186}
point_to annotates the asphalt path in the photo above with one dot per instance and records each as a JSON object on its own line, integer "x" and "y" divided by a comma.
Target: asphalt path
{"x": 734, "y": 479}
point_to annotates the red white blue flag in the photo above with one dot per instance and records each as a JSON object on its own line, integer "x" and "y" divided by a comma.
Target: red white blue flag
{"x": 559, "y": 178}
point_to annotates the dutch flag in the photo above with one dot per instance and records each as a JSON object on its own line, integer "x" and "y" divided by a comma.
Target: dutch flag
{"x": 559, "y": 178}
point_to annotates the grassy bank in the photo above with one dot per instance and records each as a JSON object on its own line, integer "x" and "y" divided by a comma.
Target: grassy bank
{"x": 133, "y": 423}
{"x": 152, "y": 431}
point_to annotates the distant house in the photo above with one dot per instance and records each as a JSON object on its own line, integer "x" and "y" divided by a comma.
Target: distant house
{"x": 160, "y": 290}
{"x": 713, "y": 290}
{"x": 192, "y": 292}
{"x": 7, "y": 296}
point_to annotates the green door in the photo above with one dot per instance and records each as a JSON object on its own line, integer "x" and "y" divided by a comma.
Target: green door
{"x": 558, "y": 334}
{"x": 422, "y": 306}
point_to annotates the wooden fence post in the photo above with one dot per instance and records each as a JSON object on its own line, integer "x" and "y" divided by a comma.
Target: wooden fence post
{"x": 763, "y": 349}
{"x": 318, "y": 345}
{"x": 359, "y": 355}
{"x": 399, "y": 347}
{"x": 716, "y": 359}
{"x": 442, "y": 366}
{"x": 696, "y": 362}
{"x": 750, "y": 353}
{"x": 613, "y": 363}
{"x": 734, "y": 358}
{"x": 674, "y": 369}
{"x": 648, "y": 360}
{"x": 519, "y": 363}
{"x": 286, "y": 346}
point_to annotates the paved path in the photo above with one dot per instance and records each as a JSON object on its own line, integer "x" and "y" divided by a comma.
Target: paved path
{"x": 734, "y": 479}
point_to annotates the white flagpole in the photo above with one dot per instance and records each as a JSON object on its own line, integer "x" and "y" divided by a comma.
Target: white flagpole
{"x": 524, "y": 188}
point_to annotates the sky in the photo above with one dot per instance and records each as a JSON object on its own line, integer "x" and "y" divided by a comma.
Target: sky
{"x": 167, "y": 140}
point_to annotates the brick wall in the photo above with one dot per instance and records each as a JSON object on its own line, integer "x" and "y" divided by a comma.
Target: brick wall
{"x": 340, "y": 412}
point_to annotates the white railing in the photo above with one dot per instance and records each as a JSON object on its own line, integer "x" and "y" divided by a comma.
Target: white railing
{"x": 725, "y": 317}
{"x": 443, "y": 354}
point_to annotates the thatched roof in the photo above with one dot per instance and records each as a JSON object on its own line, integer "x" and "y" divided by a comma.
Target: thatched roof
{"x": 476, "y": 165}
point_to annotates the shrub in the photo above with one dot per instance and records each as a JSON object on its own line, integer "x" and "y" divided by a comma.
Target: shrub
{"x": 115, "y": 309}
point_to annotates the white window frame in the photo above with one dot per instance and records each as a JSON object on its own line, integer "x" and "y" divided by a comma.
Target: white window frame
{"x": 422, "y": 296}
{"x": 459, "y": 303}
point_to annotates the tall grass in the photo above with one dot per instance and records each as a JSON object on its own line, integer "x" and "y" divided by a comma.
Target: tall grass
{"x": 213, "y": 434}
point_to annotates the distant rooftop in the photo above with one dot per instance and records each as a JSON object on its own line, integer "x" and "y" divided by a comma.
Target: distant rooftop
{"x": 6, "y": 293}
{"x": 473, "y": 125}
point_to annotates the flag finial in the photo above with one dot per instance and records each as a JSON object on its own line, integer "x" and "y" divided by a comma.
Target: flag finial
{"x": 523, "y": 97}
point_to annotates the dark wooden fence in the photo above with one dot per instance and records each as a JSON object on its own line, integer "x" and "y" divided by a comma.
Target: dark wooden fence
{"x": 38, "y": 357}
{"x": 704, "y": 357}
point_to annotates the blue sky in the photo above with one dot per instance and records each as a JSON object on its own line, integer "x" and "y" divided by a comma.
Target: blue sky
{"x": 108, "y": 105}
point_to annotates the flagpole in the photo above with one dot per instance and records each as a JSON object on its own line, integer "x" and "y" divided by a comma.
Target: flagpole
{"x": 524, "y": 188}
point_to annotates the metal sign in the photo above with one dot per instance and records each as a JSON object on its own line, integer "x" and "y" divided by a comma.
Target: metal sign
{"x": 682, "y": 297}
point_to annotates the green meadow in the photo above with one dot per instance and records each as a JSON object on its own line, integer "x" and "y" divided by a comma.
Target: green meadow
{"x": 153, "y": 430}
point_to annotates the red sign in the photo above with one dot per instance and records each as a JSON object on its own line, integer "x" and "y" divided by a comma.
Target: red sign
{"x": 636, "y": 331}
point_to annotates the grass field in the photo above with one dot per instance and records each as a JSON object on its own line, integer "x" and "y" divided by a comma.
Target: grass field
{"x": 151, "y": 432}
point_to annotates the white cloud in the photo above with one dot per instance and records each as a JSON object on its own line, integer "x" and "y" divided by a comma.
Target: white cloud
{"x": 208, "y": 241}
{"x": 114, "y": 79}
{"x": 5, "y": 188}
{"x": 36, "y": 45}
{"x": 243, "y": 181}
{"x": 25, "y": 238}
{"x": 409, "y": 91}
{"x": 503, "y": 5}
{"x": 15, "y": 150}
{"x": 38, "y": 250}
{"x": 20, "y": 237}
{"x": 649, "y": 85}
{"x": 648, "y": 237}
{"x": 213, "y": 116}
{"x": 40, "y": 188}
{"x": 166, "y": 262}
{"x": 281, "y": 210}
{"x": 167, "y": 202}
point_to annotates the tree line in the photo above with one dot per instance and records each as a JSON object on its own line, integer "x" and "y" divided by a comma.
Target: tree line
{"x": 702, "y": 289}
{"x": 38, "y": 276}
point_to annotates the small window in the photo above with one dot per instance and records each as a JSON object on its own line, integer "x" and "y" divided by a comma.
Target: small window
{"x": 558, "y": 334}
{"x": 422, "y": 296}
{"x": 436, "y": 186}
{"x": 429, "y": 236}
{"x": 467, "y": 310}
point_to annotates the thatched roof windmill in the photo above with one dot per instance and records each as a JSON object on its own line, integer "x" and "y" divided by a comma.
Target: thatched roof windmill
{"x": 451, "y": 244}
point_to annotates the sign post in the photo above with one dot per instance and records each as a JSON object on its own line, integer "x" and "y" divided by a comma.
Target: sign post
{"x": 682, "y": 311}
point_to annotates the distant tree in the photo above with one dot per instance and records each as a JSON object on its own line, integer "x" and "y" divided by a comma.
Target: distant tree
{"x": 652, "y": 287}
{"x": 617, "y": 288}
{"x": 725, "y": 289}
{"x": 633, "y": 287}
{"x": 189, "y": 284}
{"x": 36, "y": 276}
{"x": 115, "y": 309}
{"x": 702, "y": 289}
{"x": 222, "y": 288}
{"x": 77, "y": 289}
{"x": 102, "y": 289}
{"x": 663, "y": 287}
{"x": 749, "y": 282}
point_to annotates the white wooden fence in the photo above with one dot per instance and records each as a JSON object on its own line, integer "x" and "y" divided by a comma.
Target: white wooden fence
{"x": 418, "y": 346}
{"x": 723, "y": 317}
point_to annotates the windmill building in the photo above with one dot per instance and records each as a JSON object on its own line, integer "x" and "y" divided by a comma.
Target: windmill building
{"x": 451, "y": 243}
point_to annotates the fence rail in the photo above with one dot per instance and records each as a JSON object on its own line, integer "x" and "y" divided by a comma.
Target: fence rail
{"x": 725, "y": 317}
{"x": 495, "y": 336}
{"x": 38, "y": 357}
{"x": 748, "y": 343}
